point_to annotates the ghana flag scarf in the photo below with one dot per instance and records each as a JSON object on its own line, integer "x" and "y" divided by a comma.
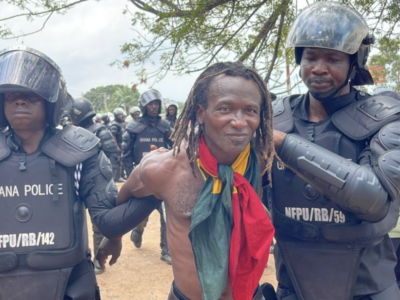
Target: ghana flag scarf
{"x": 230, "y": 231}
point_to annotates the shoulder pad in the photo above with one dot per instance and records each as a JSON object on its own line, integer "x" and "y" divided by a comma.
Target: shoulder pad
{"x": 95, "y": 127}
{"x": 4, "y": 149}
{"x": 163, "y": 126}
{"x": 71, "y": 146}
{"x": 283, "y": 118}
{"x": 135, "y": 127}
{"x": 364, "y": 118}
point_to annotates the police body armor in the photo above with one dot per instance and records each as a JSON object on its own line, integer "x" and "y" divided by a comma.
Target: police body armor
{"x": 117, "y": 129}
{"x": 43, "y": 232}
{"x": 321, "y": 247}
{"x": 146, "y": 135}
{"x": 108, "y": 144}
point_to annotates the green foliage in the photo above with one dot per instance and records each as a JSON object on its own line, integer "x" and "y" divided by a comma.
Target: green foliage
{"x": 188, "y": 35}
{"x": 388, "y": 58}
{"x": 112, "y": 96}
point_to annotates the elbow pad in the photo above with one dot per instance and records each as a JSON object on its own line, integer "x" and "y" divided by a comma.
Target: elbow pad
{"x": 355, "y": 188}
{"x": 385, "y": 149}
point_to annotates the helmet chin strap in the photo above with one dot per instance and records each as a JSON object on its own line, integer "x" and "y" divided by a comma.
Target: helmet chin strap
{"x": 332, "y": 94}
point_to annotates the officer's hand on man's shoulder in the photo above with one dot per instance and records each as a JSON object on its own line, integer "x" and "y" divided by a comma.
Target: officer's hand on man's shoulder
{"x": 109, "y": 247}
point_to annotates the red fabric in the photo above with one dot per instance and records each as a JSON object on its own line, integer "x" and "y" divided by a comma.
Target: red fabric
{"x": 252, "y": 232}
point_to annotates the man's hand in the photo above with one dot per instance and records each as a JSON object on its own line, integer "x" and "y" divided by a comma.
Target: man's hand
{"x": 109, "y": 247}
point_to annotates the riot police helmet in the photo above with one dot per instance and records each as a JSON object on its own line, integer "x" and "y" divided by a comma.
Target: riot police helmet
{"x": 168, "y": 104}
{"x": 97, "y": 118}
{"x": 81, "y": 111}
{"x": 119, "y": 111}
{"x": 134, "y": 110}
{"x": 24, "y": 69}
{"x": 334, "y": 26}
{"x": 105, "y": 118}
{"x": 147, "y": 97}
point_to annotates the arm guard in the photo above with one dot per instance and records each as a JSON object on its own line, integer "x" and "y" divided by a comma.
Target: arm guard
{"x": 108, "y": 144}
{"x": 128, "y": 140}
{"x": 355, "y": 188}
{"x": 385, "y": 149}
{"x": 99, "y": 192}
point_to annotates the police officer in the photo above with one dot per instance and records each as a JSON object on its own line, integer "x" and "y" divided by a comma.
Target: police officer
{"x": 135, "y": 112}
{"x": 97, "y": 118}
{"x": 52, "y": 175}
{"x": 117, "y": 129}
{"x": 140, "y": 135}
{"x": 81, "y": 114}
{"x": 337, "y": 197}
{"x": 106, "y": 120}
{"x": 171, "y": 113}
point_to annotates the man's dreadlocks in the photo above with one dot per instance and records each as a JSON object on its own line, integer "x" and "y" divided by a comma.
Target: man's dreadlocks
{"x": 186, "y": 129}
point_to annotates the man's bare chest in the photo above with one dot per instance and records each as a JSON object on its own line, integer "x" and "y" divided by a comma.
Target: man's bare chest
{"x": 183, "y": 194}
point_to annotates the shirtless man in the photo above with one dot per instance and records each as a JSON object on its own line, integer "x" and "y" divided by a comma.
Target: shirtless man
{"x": 231, "y": 105}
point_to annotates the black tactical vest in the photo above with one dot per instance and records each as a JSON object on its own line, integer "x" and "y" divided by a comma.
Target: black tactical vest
{"x": 319, "y": 243}
{"x": 43, "y": 230}
{"x": 146, "y": 135}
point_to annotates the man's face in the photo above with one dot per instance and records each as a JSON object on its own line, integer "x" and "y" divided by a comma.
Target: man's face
{"x": 121, "y": 117}
{"x": 136, "y": 115}
{"x": 152, "y": 108}
{"x": 25, "y": 110}
{"x": 171, "y": 111}
{"x": 231, "y": 118}
{"x": 323, "y": 70}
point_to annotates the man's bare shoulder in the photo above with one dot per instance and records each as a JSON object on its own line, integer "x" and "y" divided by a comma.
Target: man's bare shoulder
{"x": 162, "y": 166}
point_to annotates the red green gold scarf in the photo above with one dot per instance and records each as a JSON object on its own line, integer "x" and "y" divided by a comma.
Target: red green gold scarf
{"x": 230, "y": 231}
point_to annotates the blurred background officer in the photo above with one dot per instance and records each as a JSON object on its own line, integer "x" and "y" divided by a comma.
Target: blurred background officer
{"x": 52, "y": 175}
{"x": 338, "y": 196}
{"x": 140, "y": 135}
{"x": 117, "y": 129}
{"x": 81, "y": 114}
{"x": 135, "y": 112}
{"x": 98, "y": 119}
{"x": 106, "y": 120}
{"x": 171, "y": 112}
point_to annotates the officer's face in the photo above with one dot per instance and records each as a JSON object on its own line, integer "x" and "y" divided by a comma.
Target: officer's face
{"x": 136, "y": 115}
{"x": 231, "y": 118}
{"x": 171, "y": 111}
{"x": 152, "y": 108}
{"x": 25, "y": 110}
{"x": 323, "y": 70}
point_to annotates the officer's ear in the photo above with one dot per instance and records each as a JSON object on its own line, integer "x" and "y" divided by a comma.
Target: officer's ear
{"x": 200, "y": 114}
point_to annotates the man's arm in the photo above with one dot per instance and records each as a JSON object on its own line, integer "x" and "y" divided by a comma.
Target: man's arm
{"x": 354, "y": 187}
{"x": 139, "y": 183}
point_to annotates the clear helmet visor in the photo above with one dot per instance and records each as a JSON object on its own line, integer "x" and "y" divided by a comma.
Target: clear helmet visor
{"x": 28, "y": 71}
{"x": 329, "y": 25}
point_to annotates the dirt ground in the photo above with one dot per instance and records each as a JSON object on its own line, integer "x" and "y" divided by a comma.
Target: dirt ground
{"x": 139, "y": 274}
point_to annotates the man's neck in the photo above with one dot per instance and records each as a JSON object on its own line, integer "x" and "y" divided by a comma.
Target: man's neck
{"x": 30, "y": 141}
{"x": 317, "y": 111}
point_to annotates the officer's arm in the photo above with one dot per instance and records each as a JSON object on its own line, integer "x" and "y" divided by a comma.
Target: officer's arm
{"x": 356, "y": 188}
{"x": 114, "y": 131}
{"x": 127, "y": 147}
{"x": 99, "y": 193}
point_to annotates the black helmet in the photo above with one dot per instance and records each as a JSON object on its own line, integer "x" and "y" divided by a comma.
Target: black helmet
{"x": 28, "y": 70}
{"x": 333, "y": 25}
{"x": 105, "y": 118}
{"x": 147, "y": 97}
{"x": 81, "y": 110}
